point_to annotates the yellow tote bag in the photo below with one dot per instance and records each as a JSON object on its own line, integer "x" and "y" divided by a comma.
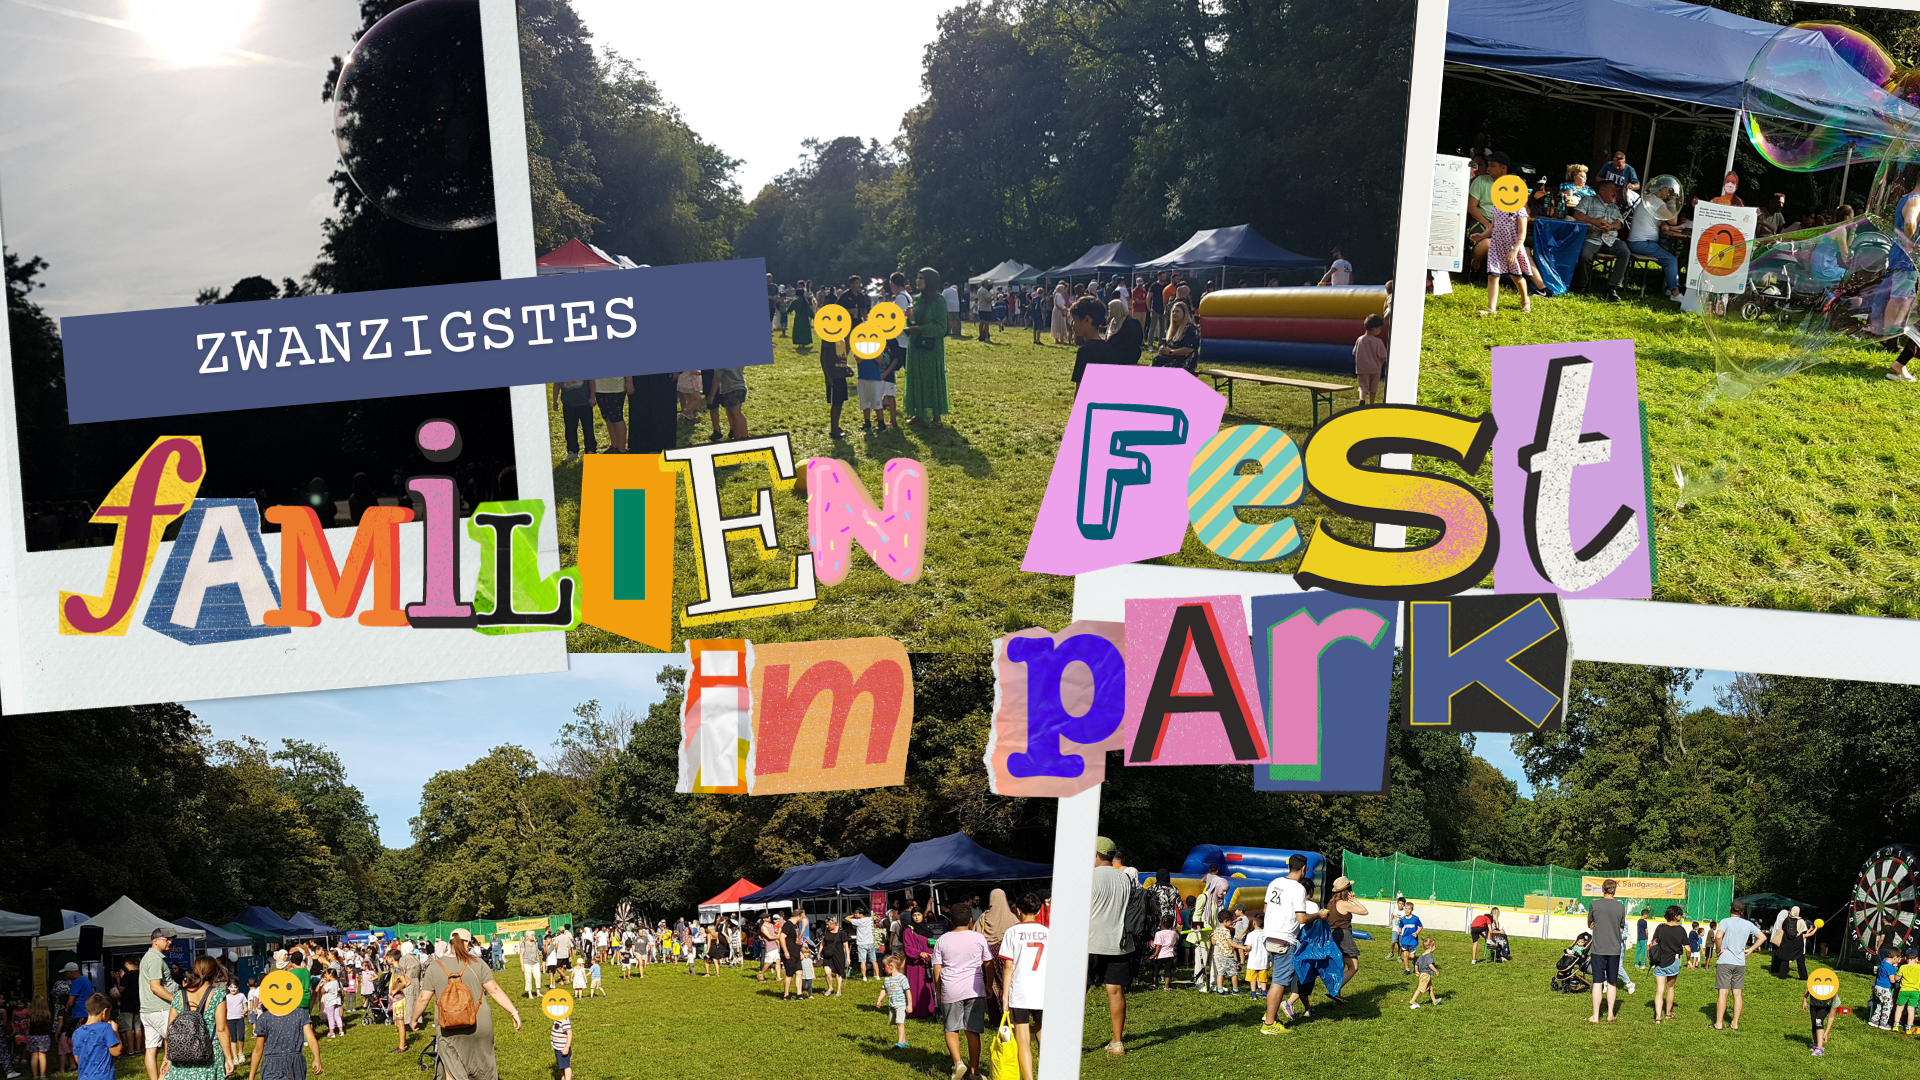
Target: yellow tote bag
{"x": 1003, "y": 1057}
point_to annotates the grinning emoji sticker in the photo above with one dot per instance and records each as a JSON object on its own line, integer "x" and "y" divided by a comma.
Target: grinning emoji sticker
{"x": 557, "y": 1004}
{"x": 867, "y": 342}
{"x": 1823, "y": 985}
{"x": 280, "y": 992}
{"x": 889, "y": 318}
{"x": 832, "y": 322}
{"x": 1509, "y": 193}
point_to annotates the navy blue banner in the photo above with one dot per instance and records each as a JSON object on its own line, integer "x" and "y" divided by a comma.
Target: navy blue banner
{"x": 309, "y": 349}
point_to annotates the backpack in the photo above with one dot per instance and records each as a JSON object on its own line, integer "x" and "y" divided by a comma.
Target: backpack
{"x": 1135, "y": 923}
{"x": 458, "y": 1007}
{"x": 187, "y": 1040}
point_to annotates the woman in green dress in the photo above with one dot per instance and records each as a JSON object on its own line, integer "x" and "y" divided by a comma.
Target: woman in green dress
{"x": 927, "y": 352}
{"x": 802, "y": 316}
{"x": 201, "y": 993}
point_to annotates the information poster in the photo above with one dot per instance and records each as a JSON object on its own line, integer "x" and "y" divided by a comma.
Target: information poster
{"x": 1447, "y": 237}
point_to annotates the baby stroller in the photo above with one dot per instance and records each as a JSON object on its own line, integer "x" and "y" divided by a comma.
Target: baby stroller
{"x": 1573, "y": 973}
{"x": 1497, "y": 948}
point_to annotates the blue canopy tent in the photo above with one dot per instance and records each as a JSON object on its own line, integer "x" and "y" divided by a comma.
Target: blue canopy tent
{"x": 1101, "y": 260}
{"x": 312, "y": 925}
{"x": 814, "y": 879}
{"x": 949, "y": 858}
{"x": 1660, "y": 59}
{"x": 218, "y": 937}
{"x": 1234, "y": 247}
{"x": 265, "y": 921}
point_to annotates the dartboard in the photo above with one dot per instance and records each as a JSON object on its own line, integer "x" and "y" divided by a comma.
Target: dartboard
{"x": 1884, "y": 901}
{"x": 623, "y": 914}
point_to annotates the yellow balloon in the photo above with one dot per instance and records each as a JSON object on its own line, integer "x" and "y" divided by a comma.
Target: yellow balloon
{"x": 1818, "y": 923}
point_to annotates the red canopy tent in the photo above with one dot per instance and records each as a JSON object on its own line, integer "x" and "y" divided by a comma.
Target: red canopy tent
{"x": 728, "y": 899}
{"x": 575, "y": 257}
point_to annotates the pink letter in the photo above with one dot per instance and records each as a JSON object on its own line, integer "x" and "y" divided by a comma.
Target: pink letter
{"x": 839, "y": 515}
{"x": 1297, "y": 645}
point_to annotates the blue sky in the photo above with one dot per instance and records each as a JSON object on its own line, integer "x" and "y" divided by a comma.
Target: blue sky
{"x": 392, "y": 739}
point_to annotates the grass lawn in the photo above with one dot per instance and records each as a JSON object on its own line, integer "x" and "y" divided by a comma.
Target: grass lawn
{"x": 986, "y": 473}
{"x": 1495, "y": 1021}
{"x": 1810, "y": 516}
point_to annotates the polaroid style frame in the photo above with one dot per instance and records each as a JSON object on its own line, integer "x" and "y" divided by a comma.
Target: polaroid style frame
{"x": 42, "y": 670}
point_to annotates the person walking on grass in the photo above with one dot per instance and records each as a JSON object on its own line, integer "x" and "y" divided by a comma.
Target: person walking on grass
{"x": 896, "y": 998}
{"x": 927, "y": 352}
{"x": 1286, "y": 900}
{"x": 1668, "y": 953}
{"x": 1111, "y": 948}
{"x": 963, "y": 964}
{"x": 1022, "y": 953}
{"x": 1735, "y": 940}
{"x": 1607, "y": 918}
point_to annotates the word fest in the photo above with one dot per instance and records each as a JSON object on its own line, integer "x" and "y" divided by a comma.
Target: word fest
{"x": 218, "y": 584}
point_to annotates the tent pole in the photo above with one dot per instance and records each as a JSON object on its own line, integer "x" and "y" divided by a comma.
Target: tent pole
{"x": 1733, "y": 139}
{"x": 1845, "y": 175}
{"x": 1653, "y": 125}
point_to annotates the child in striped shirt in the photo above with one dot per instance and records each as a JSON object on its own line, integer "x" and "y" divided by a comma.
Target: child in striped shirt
{"x": 563, "y": 1047}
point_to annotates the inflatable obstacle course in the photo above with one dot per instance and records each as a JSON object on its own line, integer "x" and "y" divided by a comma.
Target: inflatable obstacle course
{"x": 1297, "y": 327}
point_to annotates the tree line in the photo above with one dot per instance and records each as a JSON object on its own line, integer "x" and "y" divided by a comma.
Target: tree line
{"x": 1788, "y": 785}
{"x": 1047, "y": 126}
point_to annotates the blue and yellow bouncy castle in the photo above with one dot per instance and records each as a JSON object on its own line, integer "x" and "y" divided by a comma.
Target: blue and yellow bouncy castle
{"x": 1248, "y": 870}
{"x": 1299, "y": 327}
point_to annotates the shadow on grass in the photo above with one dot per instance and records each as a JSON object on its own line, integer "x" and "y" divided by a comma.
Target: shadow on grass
{"x": 936, "y": 1060}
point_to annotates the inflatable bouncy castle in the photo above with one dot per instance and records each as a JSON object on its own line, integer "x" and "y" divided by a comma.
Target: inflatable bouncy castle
{"x": 1248, "y": 870}
{"x": 1302, "y": 327}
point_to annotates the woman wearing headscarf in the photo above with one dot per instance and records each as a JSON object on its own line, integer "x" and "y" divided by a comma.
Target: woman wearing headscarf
{"x": 1062, "y": 325}
{"x": 803, "y": 316}
{"x": 919, "y": 957}
{"x": 993, "y": 924}
{"x": 1793, "y": 945}
{"x": 1125, "y": 339}
{"x": 927, "y": 352}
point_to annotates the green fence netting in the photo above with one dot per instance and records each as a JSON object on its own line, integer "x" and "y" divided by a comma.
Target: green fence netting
{"x": 435, "y": 931}
{"x": 1479, "y": 882}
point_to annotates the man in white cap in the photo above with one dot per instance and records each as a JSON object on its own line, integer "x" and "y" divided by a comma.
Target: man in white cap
{"x": 157, "y": 989}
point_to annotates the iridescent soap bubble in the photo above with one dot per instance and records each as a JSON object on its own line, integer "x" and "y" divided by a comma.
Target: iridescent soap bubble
{"x": 1820, "y": 95}
{"x": 410, "y": 115}
{"x": 1667, "y": 197}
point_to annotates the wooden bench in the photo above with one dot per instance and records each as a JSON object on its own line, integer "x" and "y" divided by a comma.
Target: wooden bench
{"x": 1321, "y": 391}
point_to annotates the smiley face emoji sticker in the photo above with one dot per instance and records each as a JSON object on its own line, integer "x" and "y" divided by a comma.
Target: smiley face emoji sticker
{"x": 1509, "y": 193}
{"x": 832, "y": 322}
{"x": 1823, "y": 985}
{"x": 557, "y": 1004}
{"x": 867, "y": 342}
{"x": 280, "y": 992}
{"x": 889, "y": 318}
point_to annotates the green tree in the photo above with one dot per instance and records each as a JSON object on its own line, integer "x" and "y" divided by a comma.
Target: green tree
{"x": 499, "y": 838}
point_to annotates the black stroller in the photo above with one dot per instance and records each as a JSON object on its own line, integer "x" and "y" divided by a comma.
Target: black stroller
{"x": 1573, "y": 972}
{"x": 380, "y": 1002}
{"x": 1498, "y": 950}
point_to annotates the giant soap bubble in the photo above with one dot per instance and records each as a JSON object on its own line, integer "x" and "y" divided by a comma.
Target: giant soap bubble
{"x": 410, "y": 114}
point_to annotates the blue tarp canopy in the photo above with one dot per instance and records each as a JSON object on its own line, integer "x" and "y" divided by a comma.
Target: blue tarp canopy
{"x": 218, "y": 937}
{"x": 950, "y": 858}
{"x": 1236, "y": 246}
{"x": 1694, "y": 59}
{"x": 1099, "y": 259}
{"x": 312, "y": 924}
{"x": 265, "y": 921}
{"x": 815, "y": 879}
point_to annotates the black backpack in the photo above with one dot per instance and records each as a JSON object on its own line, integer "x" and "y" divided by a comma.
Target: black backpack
{"x": 1138, "y": 933}
{"x": 187, "y": 1040}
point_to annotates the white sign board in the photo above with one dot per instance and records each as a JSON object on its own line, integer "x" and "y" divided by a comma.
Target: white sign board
{"x": 1447, "y": 235}
{"x": 1721, "y": 247}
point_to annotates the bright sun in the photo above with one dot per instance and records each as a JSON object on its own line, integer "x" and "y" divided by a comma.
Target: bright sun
{"x": 193, "y": 33}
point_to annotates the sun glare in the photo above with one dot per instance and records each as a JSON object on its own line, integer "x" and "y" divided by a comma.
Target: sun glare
{"x": 193, "y": 33}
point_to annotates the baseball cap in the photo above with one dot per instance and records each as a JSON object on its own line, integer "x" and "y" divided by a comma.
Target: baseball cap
{"x": 461, "y": 932}
{"x": 158, "y": 933}
{"x": 71, "y": 967}
{"x": 1105, "y": 847}
{"x": 1501, "y": 157}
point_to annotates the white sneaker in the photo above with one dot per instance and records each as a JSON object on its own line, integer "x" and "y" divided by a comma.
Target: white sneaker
{"x": 1900, "y": 376}
{"x": 1415, "y": 1005}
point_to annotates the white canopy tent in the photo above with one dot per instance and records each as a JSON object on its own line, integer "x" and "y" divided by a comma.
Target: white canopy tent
{"x": 12, "y": 925}
{"x": 125, "y": 925}
{"x": 1007, "y": 272}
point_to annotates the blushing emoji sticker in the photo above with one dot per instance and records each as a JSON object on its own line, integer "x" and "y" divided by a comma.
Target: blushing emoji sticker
{"x": 1509, "y": 193}
{"x": 280, "y": 992}
{"x": 887, "y": 316}
{"x": 832, "y": 322}
{"x": 867, "y": 341}
{"x": 557, "y": 1004}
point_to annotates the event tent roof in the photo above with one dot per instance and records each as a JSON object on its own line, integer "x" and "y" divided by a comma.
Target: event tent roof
{"x": 311, "y": 924}
{"x": 259, "y": 937}
{"x": 949, "y": 858}
{"x": 575, "y": 257}
{"x": 1010, "y": 271}
{"x": 1233, "y": 246}
{"x": 264, "y": 919}
{"x": 1771, "y": 901}
{"x": 125, "y": 925}
{"x": 12, "y": 925}
{"x": 1693, "y": 59}
{"x": 818, "y": 879}
{"x": 732, "y": 893}
{"x": 218, "y": 937}
{"x": 1099, "y": 259}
